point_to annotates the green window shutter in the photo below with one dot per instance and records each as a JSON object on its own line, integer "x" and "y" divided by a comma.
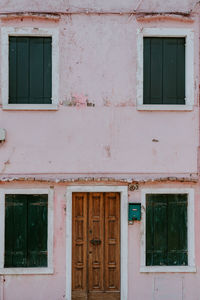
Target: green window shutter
{"x": 30, "y": 70}
{"x": 15, "y": 231}
{"x": 47, "y": 86}
{"x": 174, "y": 71}
{"x": 152, "y": 70}
{"x": 26, "y": 230}
{"x": 37, "y": 230}
{"x": 166, "y": 229}
{"x": 177, "y": 229}
{"x": 158, "y": 231}
{"x": 164, "y": 71}
{"x": 149, "y": 230}
{"x": 18, "y": 70}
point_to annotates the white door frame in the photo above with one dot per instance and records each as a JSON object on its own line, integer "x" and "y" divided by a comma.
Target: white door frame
{"x": 123, "y": 190}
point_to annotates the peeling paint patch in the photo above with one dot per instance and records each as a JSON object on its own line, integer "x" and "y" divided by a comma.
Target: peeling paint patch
{"x": 98, "y": 180}
{"x": 161, "y": 17}
{"x": 27, "y": 16}
{"x": 106, "y": 102}
{"x": 125, "y": 103}
{"x": 77, "y": 101}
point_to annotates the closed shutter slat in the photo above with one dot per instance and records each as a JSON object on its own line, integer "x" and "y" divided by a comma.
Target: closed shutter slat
{"x": 147, "y": 71}
{"x": 156, "y": 228}
{"x": 36, "y": 70}
{"x": 37, "y": 230}
{"x": 160, "y": 230}
{"x": 177, "y": 229}
{"x": 181, "y": 71}
{"x": 149, "y": 230}
{"x": 153, "y": 70}
{"x": 22, "y": 70}
{"x": 47, "y": 71}
{"x": 15, "y": 229}
{"x": 12, "y": 70}
{"x": 169, "y": 70}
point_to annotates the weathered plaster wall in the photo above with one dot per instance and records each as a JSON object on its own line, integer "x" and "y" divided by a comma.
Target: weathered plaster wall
{"x": 98, "y": 68}
{"x": 98, "y": 130}
{"x": 141, "y": 286}
{"x": 42, "y": 287}
{"x": 102, "y": 140}
{"x": 161, "y": 286}
{"x": 108, "y": 5}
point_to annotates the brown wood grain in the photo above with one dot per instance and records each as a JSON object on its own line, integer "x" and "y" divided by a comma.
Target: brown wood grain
{"x": 96, "y": 246}
{"x": 79, "y": 242}
{"x": 96, "y": 252}
{"x": 112, "y": 242}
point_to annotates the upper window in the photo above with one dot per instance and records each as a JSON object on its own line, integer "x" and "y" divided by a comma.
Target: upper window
{"x": 26, "y": 231}
{"x": 168, "y": 243}
{"x": 29, "y": 67}
{"x": 165, "y": 69}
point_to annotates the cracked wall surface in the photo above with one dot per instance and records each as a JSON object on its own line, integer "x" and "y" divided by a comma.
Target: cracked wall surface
{"x": 97, "y": 136}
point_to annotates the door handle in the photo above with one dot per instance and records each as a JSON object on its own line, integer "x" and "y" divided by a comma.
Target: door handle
{"x": 95, "y": 242}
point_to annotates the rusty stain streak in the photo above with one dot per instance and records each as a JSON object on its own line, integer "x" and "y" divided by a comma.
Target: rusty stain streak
{"x": 10, "y": 16}
{"x": 108, "y": 151}
{"x": 164, "y": 17}
{"x": 93, "y": 12}
{"x": 7, "y": 162}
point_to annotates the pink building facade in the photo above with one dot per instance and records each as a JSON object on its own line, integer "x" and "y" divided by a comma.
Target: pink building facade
{"x": 97, "y": 136}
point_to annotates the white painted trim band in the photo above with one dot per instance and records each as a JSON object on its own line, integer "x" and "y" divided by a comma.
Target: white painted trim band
{"x": 168, "y": 269}
{"x": 28, "y": 271}
{"x": 30, "y": 107}
{"x": 165, "y": 107}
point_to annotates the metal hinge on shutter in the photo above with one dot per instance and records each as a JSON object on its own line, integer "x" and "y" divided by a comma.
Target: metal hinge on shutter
{"x": 13, "y": 204}
{"x": 39, "y": 204}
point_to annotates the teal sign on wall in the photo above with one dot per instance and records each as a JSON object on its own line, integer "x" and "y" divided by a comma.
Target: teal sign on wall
{"x": 134, "y": 212}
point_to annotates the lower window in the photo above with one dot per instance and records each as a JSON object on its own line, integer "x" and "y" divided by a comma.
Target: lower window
{"x": 26, "y": 231}
{"x": 26, "y": 218}
{"x": 166, "y": 230}
{"x": 167, "y": 240}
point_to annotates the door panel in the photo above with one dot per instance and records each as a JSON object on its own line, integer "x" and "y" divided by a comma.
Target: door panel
{"x": 96, "y": 246}
{"x": 112, "y": 243}
{"x": 79, "y": 246}
{"x": 96, "y": 242}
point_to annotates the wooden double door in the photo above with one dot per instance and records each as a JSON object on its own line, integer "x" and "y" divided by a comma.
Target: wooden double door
{"x": 96, "y": 246}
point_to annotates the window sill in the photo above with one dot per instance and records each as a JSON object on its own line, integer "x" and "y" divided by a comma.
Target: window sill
{"x": 168, "y": 269}
{"x": 165, "y": 107}
{"x": 30, "y": 107}
{"x": 16, "y": 271}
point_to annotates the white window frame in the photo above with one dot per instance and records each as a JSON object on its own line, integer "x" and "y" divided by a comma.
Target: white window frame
{"x": 32, "y": 32}
{"x": 188, "y": 34}
{"x": 123, "y": 190}
{"x": 190, "y": 232}
{"x": 37, "y": 270}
